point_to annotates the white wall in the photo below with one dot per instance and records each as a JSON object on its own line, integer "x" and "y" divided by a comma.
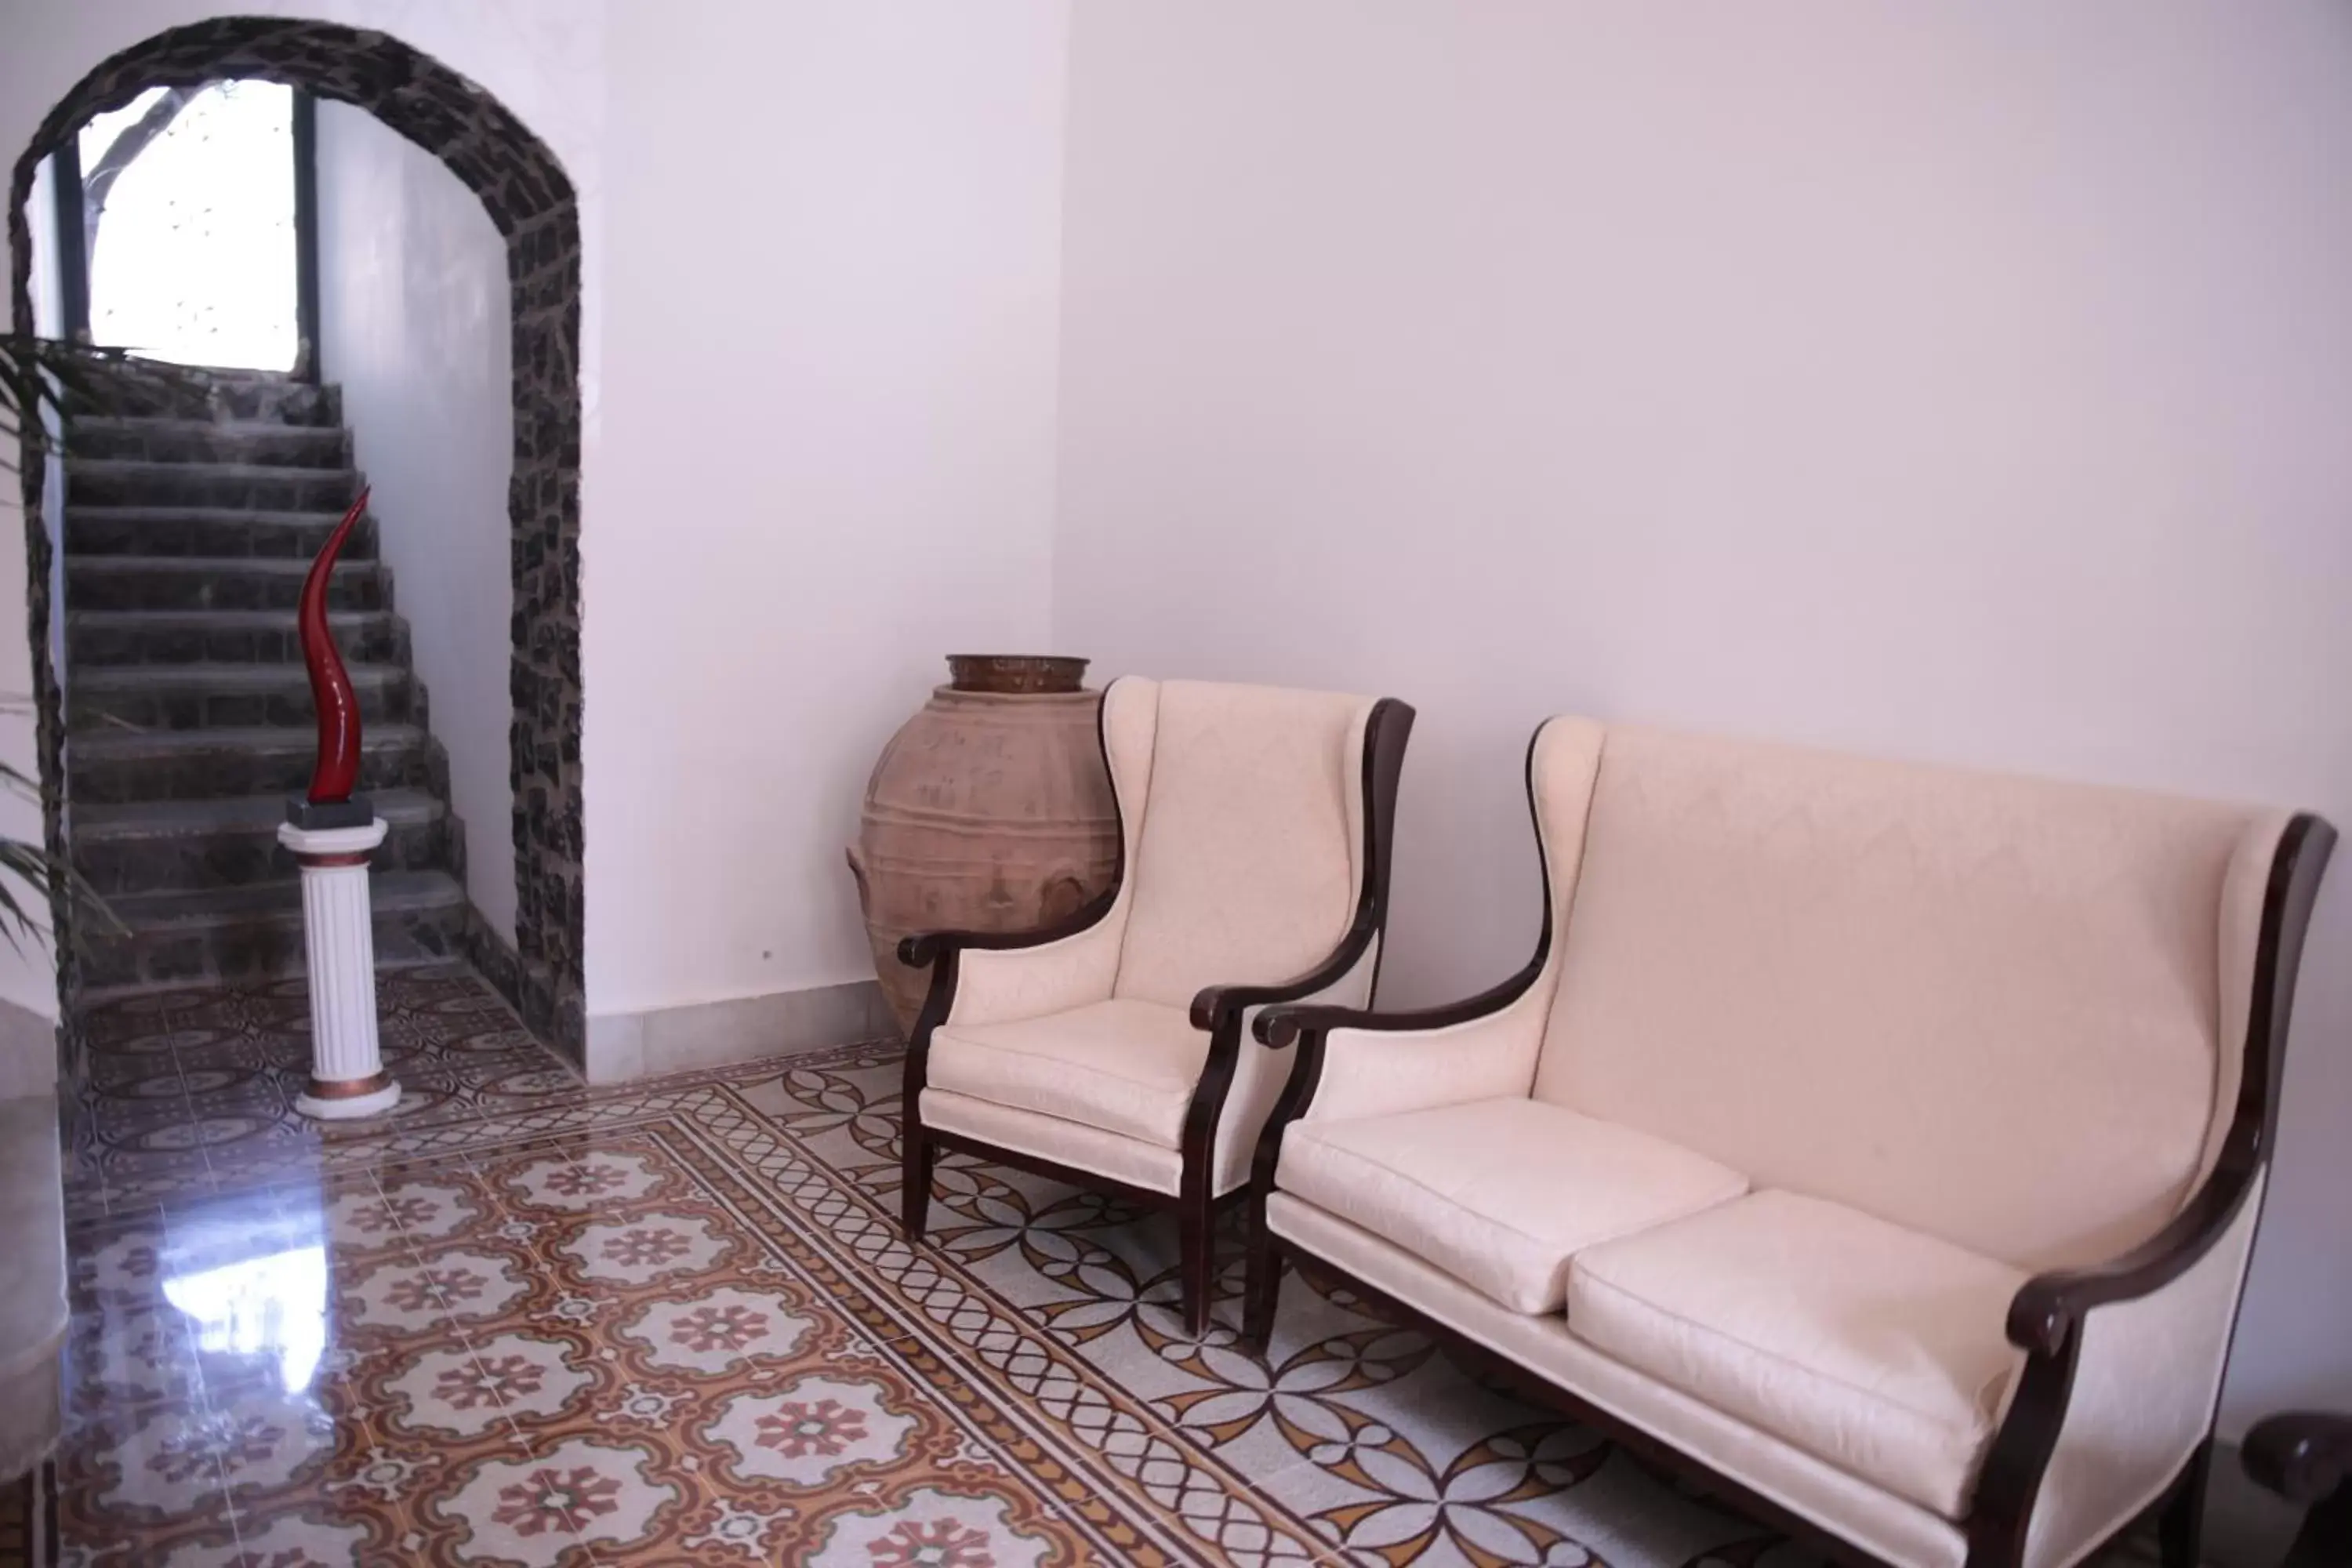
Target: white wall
{"x": 829, "y": 232}
{"x": 414, "y": 315}
{"x": 829, "y": 427}
{"x": 1965, "y": 381}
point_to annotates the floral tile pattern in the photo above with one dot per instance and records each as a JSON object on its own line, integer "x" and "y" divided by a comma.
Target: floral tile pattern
{"x": 528, "y": 1322}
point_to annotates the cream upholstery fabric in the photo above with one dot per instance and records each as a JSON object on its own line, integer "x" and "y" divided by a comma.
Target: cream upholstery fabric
{"x": 2145, "y": 1387}
{"x": 1124, "y": 1065}
{"x": 994, "y": 984}
{"x": 1879, "y": 1522}
{"x": 1499, "y": 1193}
{"x": 1958, "y": 1028}
{"x": 1981, "y": 1007}
{"x": 1070, "y": 1144}
{"x": 1245, "y": 870}
{"x": 1242, "y": 811}
{"x": 1878, "y": 1349}
{"x": 1379, "y": 1073}
{"x": 1018, "y": 1064}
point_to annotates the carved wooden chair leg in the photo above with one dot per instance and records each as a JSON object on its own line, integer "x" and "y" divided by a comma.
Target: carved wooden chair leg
{"x": 2180, "y": 1529}
{"x": 1262, "y": 1288}
{"x": 1197, "y": 1221}
{"x": 2326, "y": 1536}
{"x": 914, "y": 1182}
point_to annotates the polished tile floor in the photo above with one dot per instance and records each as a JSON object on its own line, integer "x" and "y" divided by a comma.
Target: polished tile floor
{"x": 525, "y": 1322}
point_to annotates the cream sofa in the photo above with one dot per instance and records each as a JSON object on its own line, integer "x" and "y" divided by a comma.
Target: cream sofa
{"x": 1113, "y": 1053}
{"x": 1885, "y": 1141}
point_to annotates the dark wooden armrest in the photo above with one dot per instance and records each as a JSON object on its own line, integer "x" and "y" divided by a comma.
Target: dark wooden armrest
{"x": 926, "y": 948}
{"x": 2303, "y": 1455}
{"x": 1282, "y": 1026}
{"x": 2049, "y": 1308}
{"x": 1216, "y": 1003}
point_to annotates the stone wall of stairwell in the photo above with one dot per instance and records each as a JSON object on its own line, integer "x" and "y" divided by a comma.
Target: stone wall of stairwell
{"x": 532, "y": 205}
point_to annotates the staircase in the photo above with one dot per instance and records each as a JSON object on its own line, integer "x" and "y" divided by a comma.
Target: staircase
{"x": 189, "y": 525}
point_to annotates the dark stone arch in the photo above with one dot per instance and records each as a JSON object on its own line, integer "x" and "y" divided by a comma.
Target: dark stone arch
{"x": 527, "y": 196}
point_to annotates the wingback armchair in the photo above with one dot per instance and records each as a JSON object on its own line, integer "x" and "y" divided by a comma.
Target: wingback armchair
{"x": 1112, "y": 1052}
{"x": 1885, "y": 1141}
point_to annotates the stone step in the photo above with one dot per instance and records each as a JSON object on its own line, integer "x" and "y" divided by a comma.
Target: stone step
{"x": 226, "y": 696}
{"x": 263, "y": 443}
{"x": 214, "y": 582}
{"x": 228, "y": 934}
{"x": 174, "y": 845}
{"x": 95, "y": 638}
{"x": 112, "y": 766}
{"x": 195, "y": 391}
{"x": 227, "y": 532}
{"x": 91, "y": 481}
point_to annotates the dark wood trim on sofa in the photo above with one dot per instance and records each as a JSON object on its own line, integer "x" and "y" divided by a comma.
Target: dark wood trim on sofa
{"x": 1308, "y": 1028}
{"x": 1289, "y": 1023}
{"x": 1217, "y": 1011}
{"x": 2045, "y": 1318}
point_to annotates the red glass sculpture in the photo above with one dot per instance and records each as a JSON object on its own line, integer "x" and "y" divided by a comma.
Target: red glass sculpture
{"x": 338, "y": 768}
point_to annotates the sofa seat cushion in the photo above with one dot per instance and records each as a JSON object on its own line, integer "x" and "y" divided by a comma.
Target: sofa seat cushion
{"x": 1873, "y": 1347}
{"x": 1500, "y": 1193}
{"x": 1124, "y": 1065}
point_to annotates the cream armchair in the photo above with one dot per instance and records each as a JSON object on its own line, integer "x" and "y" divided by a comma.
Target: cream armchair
{"x": 1113, "y": 1053}
{"x": 1887, "y": 1142}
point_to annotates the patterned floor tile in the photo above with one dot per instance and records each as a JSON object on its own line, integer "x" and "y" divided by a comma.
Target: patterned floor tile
{"x": 524, "y": 1321}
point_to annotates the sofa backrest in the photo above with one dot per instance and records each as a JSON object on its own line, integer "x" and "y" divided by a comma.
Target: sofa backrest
{"x": 1990, "y": 1008}
{"x": 1247, "y": 863}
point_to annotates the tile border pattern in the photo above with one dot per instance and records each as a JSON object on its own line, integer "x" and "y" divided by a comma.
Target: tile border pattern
{"x": 559, "y": 1236}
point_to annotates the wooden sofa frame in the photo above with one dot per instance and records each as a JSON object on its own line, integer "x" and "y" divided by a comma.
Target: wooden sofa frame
{"x": 2044, "y": 1316}
{"x": 1218, "y": 1010}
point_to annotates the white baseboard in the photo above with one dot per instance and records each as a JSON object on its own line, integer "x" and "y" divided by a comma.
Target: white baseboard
{"x": 625, "y": 1046}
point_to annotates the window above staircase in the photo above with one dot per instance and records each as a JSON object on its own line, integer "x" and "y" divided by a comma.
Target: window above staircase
{"x": 192, "y": 208}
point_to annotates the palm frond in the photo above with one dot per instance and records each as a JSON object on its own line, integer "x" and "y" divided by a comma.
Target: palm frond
{"x": 38, "y": 870}
{"x": 40, "y": 374}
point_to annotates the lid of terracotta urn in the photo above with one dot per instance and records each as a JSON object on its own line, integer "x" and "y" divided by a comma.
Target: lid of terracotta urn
{"x": 1014, "y": 673}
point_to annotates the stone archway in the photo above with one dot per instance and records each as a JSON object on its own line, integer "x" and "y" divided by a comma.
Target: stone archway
{"x": 524, "y": 190}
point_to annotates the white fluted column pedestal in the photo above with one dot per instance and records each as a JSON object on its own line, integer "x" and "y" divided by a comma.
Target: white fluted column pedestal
{"x": 347, "y": 1075}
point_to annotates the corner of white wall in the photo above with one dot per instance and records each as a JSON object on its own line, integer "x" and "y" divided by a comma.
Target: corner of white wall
{"x": 28, "y": 969}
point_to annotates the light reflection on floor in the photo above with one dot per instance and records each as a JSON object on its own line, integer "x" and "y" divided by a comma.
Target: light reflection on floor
{"x": 254, "y": 1288}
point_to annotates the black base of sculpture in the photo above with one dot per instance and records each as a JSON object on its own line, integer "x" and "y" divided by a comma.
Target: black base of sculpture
{"x": 316, "y": 816}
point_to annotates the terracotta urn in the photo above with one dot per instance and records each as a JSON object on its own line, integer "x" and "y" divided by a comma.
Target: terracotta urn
{"x": 990, "y": 810}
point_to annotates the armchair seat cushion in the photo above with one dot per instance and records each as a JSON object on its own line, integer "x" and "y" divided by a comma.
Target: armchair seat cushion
{"x": 1873, "y": 1347}
{"x": 1498, "y": 1192}
{"x": 1124, "y": 1065}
